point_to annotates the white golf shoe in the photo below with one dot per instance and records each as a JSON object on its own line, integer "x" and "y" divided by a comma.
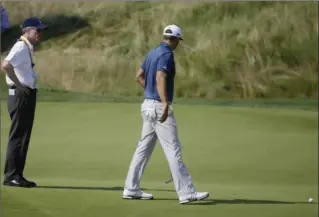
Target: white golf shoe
{"x": 194, "y": 197}
{"x": 136, "y": 195}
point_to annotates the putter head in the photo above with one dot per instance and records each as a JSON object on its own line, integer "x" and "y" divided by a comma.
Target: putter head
{"x": 168, "y": 181}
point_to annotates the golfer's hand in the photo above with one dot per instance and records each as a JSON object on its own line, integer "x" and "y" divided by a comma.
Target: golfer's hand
{"x": 165, "y": 113}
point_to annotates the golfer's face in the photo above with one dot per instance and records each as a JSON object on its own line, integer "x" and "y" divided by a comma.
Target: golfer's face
{"x": 176, "y": 43}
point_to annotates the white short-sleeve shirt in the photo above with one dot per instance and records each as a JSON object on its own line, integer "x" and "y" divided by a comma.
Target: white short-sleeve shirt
{"x": 20, "y": 58}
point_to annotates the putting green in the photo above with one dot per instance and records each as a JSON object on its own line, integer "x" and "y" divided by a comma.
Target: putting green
{"x": 254, "y": 162}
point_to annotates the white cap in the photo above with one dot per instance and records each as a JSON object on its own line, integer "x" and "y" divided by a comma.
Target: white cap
{"x": 173, "y": 30}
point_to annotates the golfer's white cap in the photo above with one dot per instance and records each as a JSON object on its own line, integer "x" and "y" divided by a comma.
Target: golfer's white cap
{"x": 173, "y": 30}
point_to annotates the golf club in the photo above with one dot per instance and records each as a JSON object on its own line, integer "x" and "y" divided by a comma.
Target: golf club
{"x": 169, "y": 180}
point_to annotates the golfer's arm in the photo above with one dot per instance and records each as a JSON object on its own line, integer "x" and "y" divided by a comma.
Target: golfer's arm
{"x": 140, "y": 77}
{"x": 8, "y": 69}
{"x": 161, "y": 86}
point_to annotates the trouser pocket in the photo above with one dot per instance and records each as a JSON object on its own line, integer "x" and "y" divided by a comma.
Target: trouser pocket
{"x": 149, "y": 114}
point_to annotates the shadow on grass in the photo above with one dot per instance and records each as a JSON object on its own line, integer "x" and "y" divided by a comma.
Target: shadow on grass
{"x": 236, "y": 201}
{"x": 58, "y": 25}
{"x": 200, "y": 203}
{"x": 97, "y": 188}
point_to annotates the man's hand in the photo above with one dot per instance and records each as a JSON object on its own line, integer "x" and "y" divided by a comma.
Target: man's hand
{"x": 165, "y": 113}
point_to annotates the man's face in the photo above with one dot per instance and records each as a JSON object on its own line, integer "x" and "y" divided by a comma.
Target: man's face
{"x": 175, "y": 43}
{"x": 34, "y": 35}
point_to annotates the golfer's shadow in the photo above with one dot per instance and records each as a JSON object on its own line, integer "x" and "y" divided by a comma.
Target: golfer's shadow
{"x": 204, "y": 202}
{"x": 240, "y": 201}
{"x": 96, "y": 188}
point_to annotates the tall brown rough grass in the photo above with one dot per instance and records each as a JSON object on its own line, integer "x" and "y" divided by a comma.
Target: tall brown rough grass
{"x": 231, "y": 49}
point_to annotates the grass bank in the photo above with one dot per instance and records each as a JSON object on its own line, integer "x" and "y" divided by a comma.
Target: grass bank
{"x": 232, "y": 49}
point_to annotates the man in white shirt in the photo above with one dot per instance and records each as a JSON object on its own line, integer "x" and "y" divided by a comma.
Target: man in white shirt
{"x": 21, "y": 79}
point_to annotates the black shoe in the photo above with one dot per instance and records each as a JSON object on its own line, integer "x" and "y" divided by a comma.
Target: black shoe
{"x": 16, "y": 183}
{"x": 23, "y": 183}
{"x": 30, "y": 183}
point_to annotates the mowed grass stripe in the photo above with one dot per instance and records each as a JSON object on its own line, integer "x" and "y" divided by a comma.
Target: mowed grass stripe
{"x": 255, "y": 162}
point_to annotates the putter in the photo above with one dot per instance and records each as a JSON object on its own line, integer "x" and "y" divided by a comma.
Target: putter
{"x": 170, "y": 180}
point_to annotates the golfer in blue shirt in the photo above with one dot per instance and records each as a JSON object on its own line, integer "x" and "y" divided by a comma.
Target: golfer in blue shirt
{"x": 156, "y": 76}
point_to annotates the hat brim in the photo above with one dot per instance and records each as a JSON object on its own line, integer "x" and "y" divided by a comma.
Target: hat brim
{"x": 180, "y": 38}
{"x": 42, "y": 26}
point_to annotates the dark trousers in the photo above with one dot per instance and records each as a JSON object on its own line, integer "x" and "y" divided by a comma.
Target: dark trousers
{"x": 21, "y": 109}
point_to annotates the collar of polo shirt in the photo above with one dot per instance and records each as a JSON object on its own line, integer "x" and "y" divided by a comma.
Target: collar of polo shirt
{"x": 28, "y": 42}
{"x": 164, "y": 44}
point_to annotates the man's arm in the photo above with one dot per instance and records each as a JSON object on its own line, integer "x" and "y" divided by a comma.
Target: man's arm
{"x": 161, "y": 86}
{"x": 140, "y": 77}
{"x": 161, "y": 89}
{"x": 8, "y": 69}
{"x": 13, "y": 60}
{"x": 161, "y": 74}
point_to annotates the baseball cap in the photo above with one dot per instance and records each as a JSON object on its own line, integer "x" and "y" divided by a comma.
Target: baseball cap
{"x": 33, "y": 22}
{"x": 173, "y": 30}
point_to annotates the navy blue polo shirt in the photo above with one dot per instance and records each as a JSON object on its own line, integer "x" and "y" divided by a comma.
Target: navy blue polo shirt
{"x": 160, "y": 58}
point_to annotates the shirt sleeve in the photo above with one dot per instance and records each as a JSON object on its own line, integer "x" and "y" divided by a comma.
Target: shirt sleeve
{"x": 15, "y": 56}
{"x": 143, "y": 65}
{"x": 164, "y": 62}
{"x": 4, "y": 19}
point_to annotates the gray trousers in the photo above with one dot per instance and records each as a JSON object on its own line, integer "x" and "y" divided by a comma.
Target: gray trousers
{"x": 167, "y": 134}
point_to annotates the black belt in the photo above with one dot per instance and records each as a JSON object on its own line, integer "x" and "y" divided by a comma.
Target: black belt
{"x": 15, "y": 87}
{"x": 157, "y": 100}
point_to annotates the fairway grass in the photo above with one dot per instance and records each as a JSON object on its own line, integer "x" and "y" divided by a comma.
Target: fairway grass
{"x": 254, "y": 162}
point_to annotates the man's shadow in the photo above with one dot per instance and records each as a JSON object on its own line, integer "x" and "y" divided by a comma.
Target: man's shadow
{"x": 243, "y": 202}
{"x": 203, "y": 202}
{"x": 96, "y": 188}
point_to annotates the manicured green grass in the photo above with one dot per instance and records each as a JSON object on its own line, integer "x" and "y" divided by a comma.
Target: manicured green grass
{"x": 254, "y": 162}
